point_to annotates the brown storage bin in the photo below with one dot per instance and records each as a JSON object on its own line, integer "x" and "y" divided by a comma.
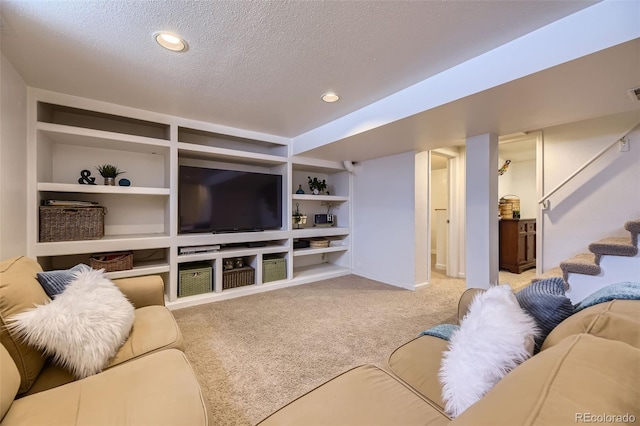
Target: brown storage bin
{"x": 63, "y": 223}
{"x": 112, "y": 262}
{"x": 238, "y": 277}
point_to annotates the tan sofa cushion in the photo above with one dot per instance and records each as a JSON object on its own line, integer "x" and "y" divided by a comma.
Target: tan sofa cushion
{"x": 365, "y": 395}
{"x": 19, "y": 291}
{"x": 417, "y": 364}
{"x": 160, "y": 389}
{"x": 614, "y": 320}
{"x": 154, "y": 329}
{"x": 582, "y": 374}
{"x": 9, "y": 381}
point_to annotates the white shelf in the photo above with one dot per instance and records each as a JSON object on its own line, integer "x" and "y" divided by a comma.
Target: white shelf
{"x": 224, "y": 253}
{"x": 320, "y": 232}
{"x": 311, "y": 251}
{"x": 230, "y": 238}
{"x": 81, "y": 136}
{"x": 101, "y": 189}
{"x": 311, "y": 197}
{"x": 316, "y": 165}
{"x": 140, "y": 269}
{"x": 319, "y": 271}
{"x": 189, "y": 150}
{"x": 105, "y": 244}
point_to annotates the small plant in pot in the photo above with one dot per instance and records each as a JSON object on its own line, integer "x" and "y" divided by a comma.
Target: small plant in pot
{"x": 109, "y": 173}
{"x": 317, "y": 186}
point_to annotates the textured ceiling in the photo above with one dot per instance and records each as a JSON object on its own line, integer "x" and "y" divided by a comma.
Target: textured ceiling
{"x": 256, "y": 65}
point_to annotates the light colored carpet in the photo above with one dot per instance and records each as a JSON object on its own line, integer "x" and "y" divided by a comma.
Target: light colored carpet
{"x": 256, "y": 353}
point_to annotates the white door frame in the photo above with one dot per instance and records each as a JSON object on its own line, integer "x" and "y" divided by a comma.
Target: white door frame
{"x": 453, "y": 259}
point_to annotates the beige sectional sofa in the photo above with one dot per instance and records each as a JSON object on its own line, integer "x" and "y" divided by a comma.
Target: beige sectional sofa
{"x": 148, "y": 382}
{"x": 588, "y": 371}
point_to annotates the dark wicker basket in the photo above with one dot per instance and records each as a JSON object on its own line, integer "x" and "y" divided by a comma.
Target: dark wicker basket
{"x": 58, "y": 223}
{"x": 238, "y": 277}
{"x": 112, "y": 262}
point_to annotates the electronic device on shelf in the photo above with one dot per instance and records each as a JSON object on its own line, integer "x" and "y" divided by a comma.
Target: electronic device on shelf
{"x": 324, "y": 220}
{"x": 214, "y": 200}
{"x": 199, "y": 249}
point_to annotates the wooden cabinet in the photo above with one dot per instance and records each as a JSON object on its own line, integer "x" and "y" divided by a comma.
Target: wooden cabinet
{"x": 517, "y": 244}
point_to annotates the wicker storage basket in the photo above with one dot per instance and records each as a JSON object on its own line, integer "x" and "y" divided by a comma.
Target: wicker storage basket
{"x": 238, "y": 277}
{"x": 509, "y": 204}
{"x": 319, "y": 243}
{"x": 58, "y": 223}
{"x": 112, "y": 262}
{"x": 195, "y": 278}
{"x": 273, "y": 268}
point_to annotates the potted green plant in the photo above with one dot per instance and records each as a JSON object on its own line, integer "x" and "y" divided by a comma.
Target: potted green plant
{"x": 109, "y": 173}
{"x": 299, "y": 218}
{"x": 316, "y": 185}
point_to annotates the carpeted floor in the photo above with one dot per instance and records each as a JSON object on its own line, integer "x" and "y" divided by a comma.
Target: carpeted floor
{"x": 256, "y": 353}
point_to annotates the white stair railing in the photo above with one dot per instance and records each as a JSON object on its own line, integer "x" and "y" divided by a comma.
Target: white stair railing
{"x": 621, "y": 140}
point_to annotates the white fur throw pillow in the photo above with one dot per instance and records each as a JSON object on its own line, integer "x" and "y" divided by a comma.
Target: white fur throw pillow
{"x": 83, "y": 327}
{"x": 494, "y": 337}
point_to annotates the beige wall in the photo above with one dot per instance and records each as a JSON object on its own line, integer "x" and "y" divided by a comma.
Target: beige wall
{"x": 13, "y": 162}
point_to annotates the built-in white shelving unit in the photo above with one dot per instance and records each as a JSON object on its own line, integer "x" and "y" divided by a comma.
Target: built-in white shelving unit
{"x": 68, "y": 135}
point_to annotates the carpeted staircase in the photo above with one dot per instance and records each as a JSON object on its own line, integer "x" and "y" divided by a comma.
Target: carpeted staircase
{"x": 609, "y": 260}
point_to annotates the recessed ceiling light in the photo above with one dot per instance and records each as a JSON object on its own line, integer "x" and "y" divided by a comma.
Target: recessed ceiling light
{"x": 170, "y": 41}
{"x": 330, "y": 97}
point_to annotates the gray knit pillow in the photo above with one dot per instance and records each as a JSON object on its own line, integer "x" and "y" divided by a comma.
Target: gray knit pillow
{"x": 546, "y": 302}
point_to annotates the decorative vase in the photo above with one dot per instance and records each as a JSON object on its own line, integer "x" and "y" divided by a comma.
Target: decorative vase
{"x": 300, "y": 190}
{"x": 110, "y": 181}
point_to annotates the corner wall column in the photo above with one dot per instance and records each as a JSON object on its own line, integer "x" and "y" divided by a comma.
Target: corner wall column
{"x": 482, "y": 211}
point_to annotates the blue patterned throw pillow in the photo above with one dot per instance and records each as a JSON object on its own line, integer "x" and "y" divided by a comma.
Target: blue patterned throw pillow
{"x": 546, "y": 302}
{"x": 54, "y": 282}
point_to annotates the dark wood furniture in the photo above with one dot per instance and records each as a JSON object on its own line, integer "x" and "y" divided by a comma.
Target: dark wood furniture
{"x": 517, "y": 244}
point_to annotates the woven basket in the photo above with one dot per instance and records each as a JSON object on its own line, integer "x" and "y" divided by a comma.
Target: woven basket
{"x": 319, "y": 243}
{"x": 274, "y": 269}
{"x": 58, "y": 223}
{"x": 195, "y": 278}
{"x": 238, "y": 277}
{"x": 112, "y": 262}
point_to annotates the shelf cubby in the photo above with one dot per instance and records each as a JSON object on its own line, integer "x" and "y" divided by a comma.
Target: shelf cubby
{"x": 77, "y": 117}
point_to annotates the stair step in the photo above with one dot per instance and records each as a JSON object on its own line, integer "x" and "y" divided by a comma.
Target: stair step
{"x": 614, "y": 247}
{"x": 551, "y": 273}
{"x": 633, "y": 226}
{"x": 584, "y": 263}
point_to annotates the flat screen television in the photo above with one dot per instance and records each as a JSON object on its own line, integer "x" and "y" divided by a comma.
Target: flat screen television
{"x": 214, "y": 200}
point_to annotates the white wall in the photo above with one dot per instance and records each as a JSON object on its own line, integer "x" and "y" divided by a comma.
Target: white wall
{"x": 481, "y": 213}
{"x": 598, "y": 202}
{"x": 384, "y": 229}
{"x": 13, "y": 162}
{"x": 520, "y": 180}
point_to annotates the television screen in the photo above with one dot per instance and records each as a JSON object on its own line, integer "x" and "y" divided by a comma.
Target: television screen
{"x": 213, "y": 200}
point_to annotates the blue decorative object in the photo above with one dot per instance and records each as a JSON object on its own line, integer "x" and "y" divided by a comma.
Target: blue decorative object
{"x": 300, "y": 190}
{"x": 86, "y": 179}
{"x": 442, "y": 331}
{"x": 546, "y": 302}
{"x": 54, "y": 282}
{"x": 627, "y": 290}
{"x": 124, "y": 182}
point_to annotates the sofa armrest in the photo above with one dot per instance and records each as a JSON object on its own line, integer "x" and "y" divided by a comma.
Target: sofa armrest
{"x": 142, "y": 291}
{"x": 465, "y": 301}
